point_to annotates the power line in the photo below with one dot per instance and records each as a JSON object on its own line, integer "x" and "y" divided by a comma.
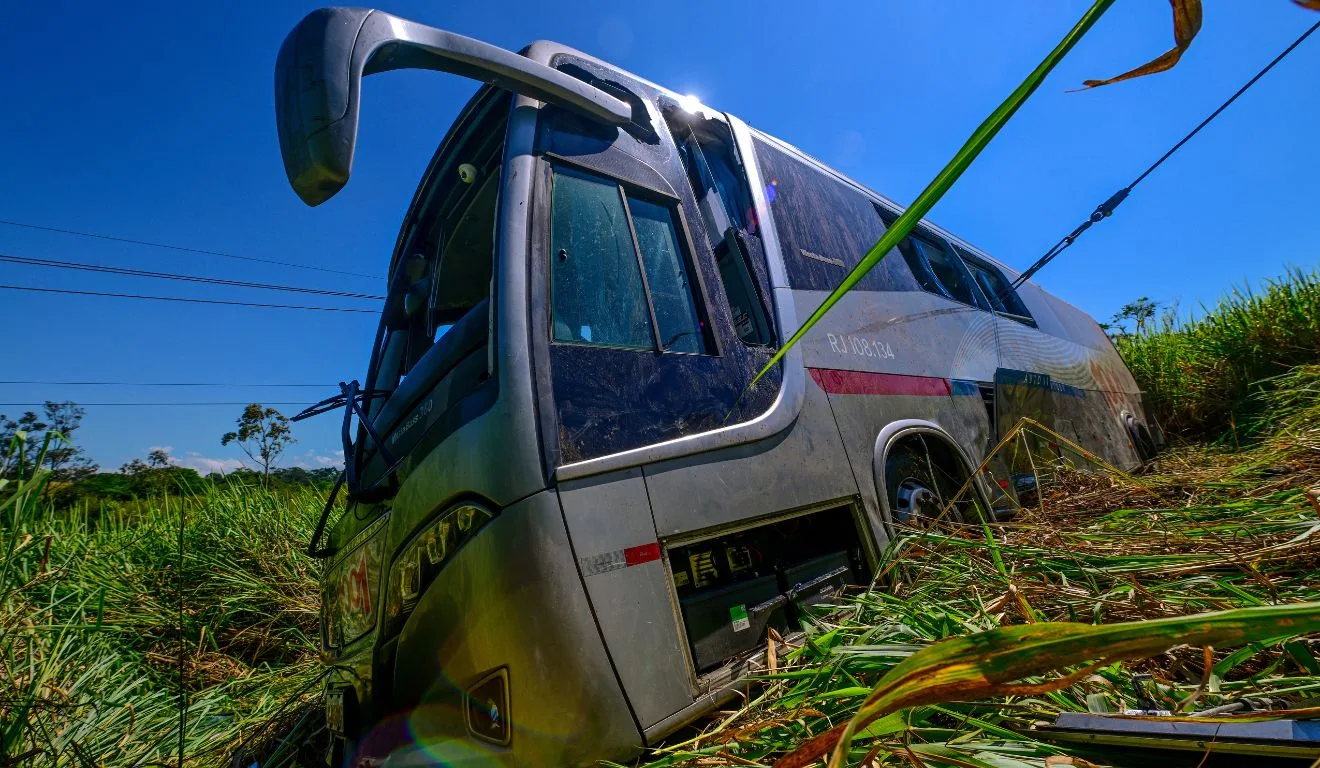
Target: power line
{"x": 1106, "y": 209}
{"x": 34, "y": 262}
{"x": 156, "y": 384}
{"x": 190, "y": 301}
{"x": 185, "y": 249}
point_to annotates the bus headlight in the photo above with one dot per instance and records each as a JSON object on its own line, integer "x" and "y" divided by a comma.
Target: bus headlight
{"x": 427, "y": 553}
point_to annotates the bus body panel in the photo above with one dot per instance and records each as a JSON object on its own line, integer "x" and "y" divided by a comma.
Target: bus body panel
{"x": 512, "y": 599}
{"x": 618, "y": 553}
{"x": 901, "y": 333}
{"x": 800, "y": 467}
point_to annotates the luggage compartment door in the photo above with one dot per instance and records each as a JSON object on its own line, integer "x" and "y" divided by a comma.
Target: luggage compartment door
{"x": 609, "y": 520}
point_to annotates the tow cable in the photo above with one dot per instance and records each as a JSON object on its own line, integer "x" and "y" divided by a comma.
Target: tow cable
{"x": 1106, "y": 209}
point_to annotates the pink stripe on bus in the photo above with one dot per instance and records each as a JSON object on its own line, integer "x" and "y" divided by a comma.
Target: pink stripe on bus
{"x": 865, "y": 383}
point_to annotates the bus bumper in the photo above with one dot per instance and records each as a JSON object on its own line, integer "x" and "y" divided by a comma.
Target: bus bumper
{"x": 501, "y": 662}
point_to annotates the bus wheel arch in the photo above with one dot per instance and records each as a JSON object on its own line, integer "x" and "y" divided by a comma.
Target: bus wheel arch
{"x": 917, "y": 464}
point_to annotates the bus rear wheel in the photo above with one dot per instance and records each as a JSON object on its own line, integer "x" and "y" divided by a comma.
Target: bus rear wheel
{"x": 922, "y": 477}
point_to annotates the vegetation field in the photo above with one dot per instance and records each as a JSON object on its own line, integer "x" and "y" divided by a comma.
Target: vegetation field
{"x": 1203, "y": 375}
{"x": 91, "y": 606}
{"x": 106, "y": 605}
{"x": 1205, "y": 529}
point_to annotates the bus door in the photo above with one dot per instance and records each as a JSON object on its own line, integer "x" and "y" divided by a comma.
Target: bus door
{"x": 649, "y": 328}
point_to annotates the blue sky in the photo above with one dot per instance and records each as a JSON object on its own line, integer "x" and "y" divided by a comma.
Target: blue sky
{"x": 155, "y": 121}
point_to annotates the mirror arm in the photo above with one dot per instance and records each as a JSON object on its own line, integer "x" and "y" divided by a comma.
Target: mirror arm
{"x": 319, "y": 73}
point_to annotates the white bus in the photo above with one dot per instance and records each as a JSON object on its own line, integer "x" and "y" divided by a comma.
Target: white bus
{"x": 571, "y": 521}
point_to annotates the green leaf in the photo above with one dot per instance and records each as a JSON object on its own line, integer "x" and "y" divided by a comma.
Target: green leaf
{"x": 991, "y": 663}
{"x": 1303, "y": 656}
{"x": 891, "y": 723}
{"x": 978, "y": 141}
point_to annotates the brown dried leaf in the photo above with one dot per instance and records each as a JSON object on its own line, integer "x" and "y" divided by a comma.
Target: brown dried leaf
{"x": 1186, "y": 24}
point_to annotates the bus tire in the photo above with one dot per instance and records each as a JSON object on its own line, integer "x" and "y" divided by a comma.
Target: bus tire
{"x": 921, "y": 475}
{"x": 1142, "y": 441}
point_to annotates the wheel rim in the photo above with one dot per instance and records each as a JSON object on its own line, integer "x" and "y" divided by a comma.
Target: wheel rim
{"x": 917, "y": 502}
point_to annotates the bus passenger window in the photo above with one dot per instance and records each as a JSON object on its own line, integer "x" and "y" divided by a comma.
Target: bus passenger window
{"x": 596, "y": 282}
{"x": 997, "y": 290}
{"x": 749, "y": 317}
{"x": 725, "y": 204}
{"x": 667, "y": 277}
{"x": 616, "y": 262}
{"x": 937, "y": 269}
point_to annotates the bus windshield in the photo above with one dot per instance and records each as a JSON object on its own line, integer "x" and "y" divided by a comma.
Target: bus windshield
{"x": 436, "y": 320}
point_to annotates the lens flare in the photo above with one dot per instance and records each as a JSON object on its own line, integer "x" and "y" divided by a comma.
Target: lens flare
{"x": 690, "y": 103}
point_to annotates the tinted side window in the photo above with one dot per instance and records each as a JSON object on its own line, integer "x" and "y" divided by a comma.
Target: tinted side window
{"x": 667, "y": 277}
{"x": 616, "y": 264}
{"x": 996, "y": 289}
{"x": 725, "y": 204}
{"x": 825, "y": 226}
{"x": 938, "y": 269}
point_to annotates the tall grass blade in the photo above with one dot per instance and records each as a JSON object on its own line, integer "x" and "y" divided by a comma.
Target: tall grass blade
{"x": 978, "y": 141}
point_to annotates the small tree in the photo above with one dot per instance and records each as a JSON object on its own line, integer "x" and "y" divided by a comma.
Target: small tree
{"x": 263, "y": 434}
{"x": 67, "y": 461}
{"x": 159, "y": 458}
{"x": 18, "y": 456}
{"x": 1139, "y": 312}
{"x": 159, "y": 475}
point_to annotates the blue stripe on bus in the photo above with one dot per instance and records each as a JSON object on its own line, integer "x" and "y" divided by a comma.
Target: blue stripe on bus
{"x": 965, "y": 388}
{"x": 1038, "y": 380}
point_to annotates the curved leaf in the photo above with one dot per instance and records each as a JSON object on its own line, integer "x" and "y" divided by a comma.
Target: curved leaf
{"x": 991, "y": 663}
{"x": 1186, "y": 24}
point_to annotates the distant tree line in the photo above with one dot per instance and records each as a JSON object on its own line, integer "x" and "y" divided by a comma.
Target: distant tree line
{"x": 46, "y": 441}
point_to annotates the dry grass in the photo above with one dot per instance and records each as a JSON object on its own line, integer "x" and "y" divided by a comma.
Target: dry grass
{"x": 1202, "y": 530}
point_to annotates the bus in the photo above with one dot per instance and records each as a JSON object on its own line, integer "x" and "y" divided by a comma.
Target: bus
{"x": 573, "y": 516}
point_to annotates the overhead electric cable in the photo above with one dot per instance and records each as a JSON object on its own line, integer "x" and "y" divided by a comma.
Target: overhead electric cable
{"x": 186, "y": 300}
{"x": 35, "y": 262}
{"x": 155, "y": 384}
{"x": 1106, "y": 209}
{"x": 186, "y": 249}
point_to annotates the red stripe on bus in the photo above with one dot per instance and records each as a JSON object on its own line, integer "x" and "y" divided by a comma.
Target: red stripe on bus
{"x": 643, "y": 553}
{"x": 865, "y": 383}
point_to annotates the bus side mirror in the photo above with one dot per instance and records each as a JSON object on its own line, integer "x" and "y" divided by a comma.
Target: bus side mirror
{"x": 319, "y": 73}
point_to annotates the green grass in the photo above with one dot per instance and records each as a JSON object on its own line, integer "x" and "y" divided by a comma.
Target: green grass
{"x": 89, "y": 625}
{"x": 1203, "y": 376}
{"x": 89, "y": 614}
{"x": 89, "y": 617}
{"x": 1206, "y": 530}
